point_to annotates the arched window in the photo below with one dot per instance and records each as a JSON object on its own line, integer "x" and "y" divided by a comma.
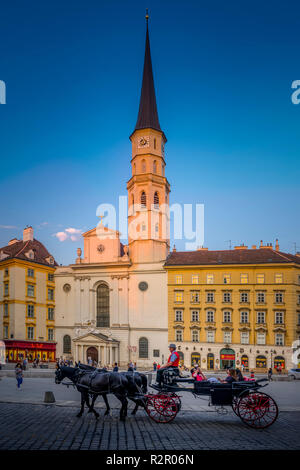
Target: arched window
{"x": 154, "y": 167}
{"x": 67, "y": 344}
{"x": 143, "y": 200}
{"x": 156, "y": 200}
{"x": 143, "y": 348}
{"x": 143, "y": 166}
{"x": 134, "y": 168}
{"x": 103, "y": 305}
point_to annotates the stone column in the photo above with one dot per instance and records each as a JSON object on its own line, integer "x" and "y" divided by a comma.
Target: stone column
{"x": 77, "y": 300}
{"x": 104, "y": 355}
{"x": 99, "y": 355}
{"x": 110, "y": 354}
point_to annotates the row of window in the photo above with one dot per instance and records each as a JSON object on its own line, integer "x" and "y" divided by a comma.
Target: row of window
{"x": 30, "y": 311}
{"x": 30, "y": 291}
{"x": 143, "y": 200}
{"x": 210, "y": 278}
{"x": 144, "y": 167}
{"x": 30, "y": 273}
{"x": 227, "y": 297}
{"x": 30, "y": 332}
{"x": 227, "y": 316}
{"x": 227, "y": 337}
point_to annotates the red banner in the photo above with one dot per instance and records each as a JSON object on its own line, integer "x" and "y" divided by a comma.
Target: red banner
{"x": 228, "y": 357}
{"x": 30, "y": 345}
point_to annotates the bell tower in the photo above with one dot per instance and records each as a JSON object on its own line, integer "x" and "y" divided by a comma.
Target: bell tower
{"x": 148, "y": 188}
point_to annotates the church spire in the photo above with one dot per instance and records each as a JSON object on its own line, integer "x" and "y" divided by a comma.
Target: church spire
{"x": 148, "y": 116}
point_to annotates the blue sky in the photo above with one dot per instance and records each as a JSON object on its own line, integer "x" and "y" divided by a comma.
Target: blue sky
{"x": 223, "y": 73}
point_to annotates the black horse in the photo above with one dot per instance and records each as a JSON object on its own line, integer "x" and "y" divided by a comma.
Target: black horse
{"x": 87, "y": 382}
{"x": 137, "y": 387}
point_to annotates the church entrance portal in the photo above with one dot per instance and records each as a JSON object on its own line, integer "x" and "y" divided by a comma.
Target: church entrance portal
{"x": 92, "y": 353}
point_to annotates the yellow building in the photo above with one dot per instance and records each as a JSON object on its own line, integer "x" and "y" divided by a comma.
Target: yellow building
{"x": 27, "y": 299}
{"x": 234, "y": 307}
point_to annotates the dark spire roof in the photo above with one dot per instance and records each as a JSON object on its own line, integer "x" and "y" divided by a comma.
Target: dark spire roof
{"x": 148, "y": 116}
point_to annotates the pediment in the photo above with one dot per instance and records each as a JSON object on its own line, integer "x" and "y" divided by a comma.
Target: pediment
{"x": 95, "y": 338}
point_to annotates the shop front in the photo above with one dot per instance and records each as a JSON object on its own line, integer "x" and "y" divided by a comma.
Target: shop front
{"x": 210, "y": 361}
{"x": 227, "y": 358}
{"x": 18, "y": 350}
{"x": 195, "y": 358}
{"x": 261, "y": 362}
{"x": 245, "y": 361}
{"x": 279, "y": 361}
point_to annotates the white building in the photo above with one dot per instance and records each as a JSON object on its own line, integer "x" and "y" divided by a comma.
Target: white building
{"x": 111, "y": 305}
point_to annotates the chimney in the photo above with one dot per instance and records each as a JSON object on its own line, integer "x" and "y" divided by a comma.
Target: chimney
{"x": 28, "y": 234}
{"x": 11, "y": 242}
{"x": 241, "y": 247}
{"x": 261, "y": 244}
{"x": 253, "y": 247}
{"x": 276, "y": 245}
{"x": 174, "y": 248}
{"x": 201, "y": 248}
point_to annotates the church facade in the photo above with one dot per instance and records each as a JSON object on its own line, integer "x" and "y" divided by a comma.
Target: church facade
{"x": 111, "y": 304}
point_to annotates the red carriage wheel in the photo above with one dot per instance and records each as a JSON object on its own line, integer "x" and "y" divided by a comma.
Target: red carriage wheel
{"x": 161, "y": 408}
{"x": 258, "y": 410}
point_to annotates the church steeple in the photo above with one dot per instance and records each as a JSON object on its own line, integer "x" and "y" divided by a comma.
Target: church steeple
{"x": 148, "y": 188}
{"x": 148, "y": 115}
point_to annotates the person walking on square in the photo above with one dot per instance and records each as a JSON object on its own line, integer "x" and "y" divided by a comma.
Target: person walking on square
{"x": 19, "y": 374}
{"x": 116, "y": 368}
{"x": 270, "y": 372}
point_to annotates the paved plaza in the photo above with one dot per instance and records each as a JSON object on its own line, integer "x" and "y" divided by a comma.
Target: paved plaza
{"x": 27, "y": 423}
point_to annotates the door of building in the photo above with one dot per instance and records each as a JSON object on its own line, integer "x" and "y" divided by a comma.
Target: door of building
{"x": 210, "y": 361}
{"x": 227, "y": 358}
{"x": 92, "y": 353}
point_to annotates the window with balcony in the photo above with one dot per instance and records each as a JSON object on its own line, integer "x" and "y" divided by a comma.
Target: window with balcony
{"x": 210, "y": 336}
{"x": 30, "y": 311}
{"x": 195, "y": 315}
{"x": 227, "y": 337}
{"x": 50, "y": 313}
{"x": 227, "y": 317}
{"x": 210, "y": 297}
{"x": 6, "y": 288}
{"x": 195, "y": 279}
{"x": 30, "y": 290}
{"x": 260, "y": 297}
{"x": 244, "y": 297}
{"x": 178, "y": 296}
{"x": 210, "y": 316}
{"x": 261, "y": 317}
{"x": 278, "y": 278}
{"x": 260, "y": 278}
{"x": 227, "y": 297}
{"x": 178, "y": 315}
{"x": 244, "y": 337}
{"x": 279, "y": 318}
{"x": 244, "y": 278}
{"x": 279, "y": 339}
{"x": 195, "y": 297}
{"x": 195, "y": 336}
{"x": 261, "y": 338}
{"x": 30, "y": 272}
{"x": 226, "y": 278}
{"x": 179, "y": 335}
{"x": 244, "y": 317}
{"x": 178, "y": 279}
{"x": 209, "y": 278}
{"x": 279, "y": 297}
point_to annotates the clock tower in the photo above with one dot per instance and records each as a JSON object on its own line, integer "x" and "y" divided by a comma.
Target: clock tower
{"x": 148, "y": 188}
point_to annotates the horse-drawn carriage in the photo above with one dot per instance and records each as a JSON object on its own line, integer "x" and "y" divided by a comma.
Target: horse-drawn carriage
{"x": 255, "y": 408}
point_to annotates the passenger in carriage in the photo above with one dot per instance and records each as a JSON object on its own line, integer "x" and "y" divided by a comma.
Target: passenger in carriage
{"x": 231, "y": 376}
{"x": 198, "y": 374}
{"x": 239, "y": 374}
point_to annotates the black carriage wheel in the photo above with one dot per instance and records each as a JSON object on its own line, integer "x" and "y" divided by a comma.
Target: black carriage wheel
{"x": 258, "y": 410}
{"x": 234, "y": 405}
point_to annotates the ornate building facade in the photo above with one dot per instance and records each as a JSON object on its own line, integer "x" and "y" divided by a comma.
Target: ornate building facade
{"x": 112, "y": 303}
{"x": 27, "y": 299}
{"x": 234, "y": 307}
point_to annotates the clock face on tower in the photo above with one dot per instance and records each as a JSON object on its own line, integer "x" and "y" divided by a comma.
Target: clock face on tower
{"x": 143, "y": 142}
